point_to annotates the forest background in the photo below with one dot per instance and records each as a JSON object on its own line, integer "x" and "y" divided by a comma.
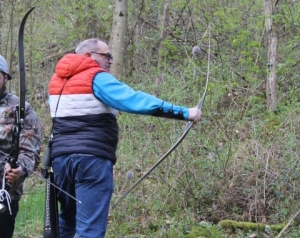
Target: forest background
{"x": 240, "y": 163}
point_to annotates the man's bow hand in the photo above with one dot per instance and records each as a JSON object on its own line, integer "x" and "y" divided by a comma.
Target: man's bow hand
{"x": 194, "y": 114}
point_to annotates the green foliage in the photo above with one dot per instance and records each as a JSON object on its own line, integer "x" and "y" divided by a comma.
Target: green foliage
{"x": 205, "y": 230}
{"x": 240, "y": 162}
{"x": 30, "y": 218}
{"x": 170, "y": 51}
{"x": 249, "y": 226}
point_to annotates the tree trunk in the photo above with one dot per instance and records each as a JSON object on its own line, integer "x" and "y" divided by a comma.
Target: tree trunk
{"x": 118, "y": 36}
{"x": 138, "y": 7}
{"x": 271, "y": 81}
{"x": 1, "y": 27}
{"x": 163, "y": 33}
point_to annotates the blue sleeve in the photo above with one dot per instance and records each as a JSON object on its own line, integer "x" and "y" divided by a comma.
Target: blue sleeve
{"x": 121, "y": 97}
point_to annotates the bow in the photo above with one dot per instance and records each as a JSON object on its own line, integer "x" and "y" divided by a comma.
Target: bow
{"x": 19, "y": 115}
{"x": 20, "y": 109}
{"x": 179, "y": 140}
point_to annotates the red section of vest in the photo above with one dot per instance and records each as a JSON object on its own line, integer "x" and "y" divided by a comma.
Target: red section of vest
{"x": 78, "y": 70}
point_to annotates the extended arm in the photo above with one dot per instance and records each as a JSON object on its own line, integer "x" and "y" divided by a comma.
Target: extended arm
{"x": 122, "y": 97}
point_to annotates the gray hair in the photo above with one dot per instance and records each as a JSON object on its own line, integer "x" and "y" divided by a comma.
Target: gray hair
{"x": 87, "y": 46}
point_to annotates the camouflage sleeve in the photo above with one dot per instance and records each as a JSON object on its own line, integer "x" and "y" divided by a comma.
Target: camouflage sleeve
{"x": 30, "y": 142}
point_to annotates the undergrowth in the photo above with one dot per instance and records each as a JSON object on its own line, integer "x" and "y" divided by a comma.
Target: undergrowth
{"x": 231, "y": 165}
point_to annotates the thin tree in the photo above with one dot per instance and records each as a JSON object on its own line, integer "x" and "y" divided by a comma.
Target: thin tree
{"x": 163, "y": 33}
{"x": 1, "y": 22}
{"x": 271, "y": 81}
{"x": 118, "y": 36}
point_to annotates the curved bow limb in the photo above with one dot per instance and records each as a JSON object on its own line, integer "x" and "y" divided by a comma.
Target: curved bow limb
{"x": 20, "y": 109}
{"x": 179, "y": 140}
{"x": 22, "y": 65}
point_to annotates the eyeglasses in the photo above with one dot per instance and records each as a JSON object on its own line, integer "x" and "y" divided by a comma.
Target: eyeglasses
{"x": 108, "y": 56}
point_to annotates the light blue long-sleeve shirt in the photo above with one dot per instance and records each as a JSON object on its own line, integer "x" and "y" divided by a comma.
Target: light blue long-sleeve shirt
{"x": 121, "y": 97}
